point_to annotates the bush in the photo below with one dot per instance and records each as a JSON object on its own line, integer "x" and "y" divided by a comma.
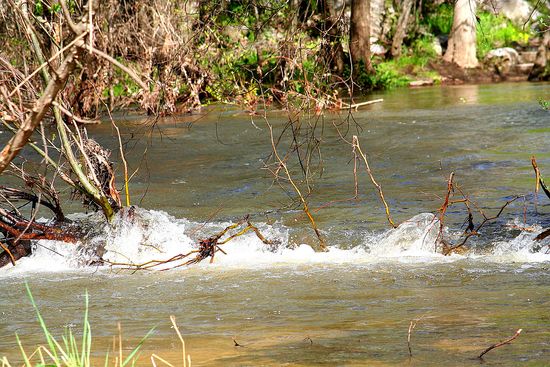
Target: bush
{"x": 386, "y": 76}
{"x": 494, "y": 31}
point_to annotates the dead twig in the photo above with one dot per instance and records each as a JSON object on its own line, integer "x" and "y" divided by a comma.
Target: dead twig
{"x": 207, "y": 248}
{"x": 507, "y": 341}
{"x": 305, "y": 206}
{"x": 443, "y": 209}
{"x": 412, "y": 325}
{"x": 539, "y": 179}
{"x": 357, "y": 149}
{"x": 450, "y": 248}
{"x": 80, "y": 120}
{"x": 356, "y": 106}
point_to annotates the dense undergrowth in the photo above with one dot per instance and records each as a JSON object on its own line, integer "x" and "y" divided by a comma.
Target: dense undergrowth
{"x": 247, "y": 52}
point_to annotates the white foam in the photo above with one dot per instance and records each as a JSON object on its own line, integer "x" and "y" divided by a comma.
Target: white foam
{"x": 47, "y": 256}
{"x": 138, "y": 235}
{"x": 145, "y": 235}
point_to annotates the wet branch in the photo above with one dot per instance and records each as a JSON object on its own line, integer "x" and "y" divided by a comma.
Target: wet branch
{"x": 207, "y": 248}
{"x": 497, "y": 345}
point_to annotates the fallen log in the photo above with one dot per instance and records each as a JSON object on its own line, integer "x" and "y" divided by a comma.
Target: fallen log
{"x": 18, "y": 234}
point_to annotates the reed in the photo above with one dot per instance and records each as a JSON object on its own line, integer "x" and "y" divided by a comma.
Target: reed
{"x": 70, "y": 351}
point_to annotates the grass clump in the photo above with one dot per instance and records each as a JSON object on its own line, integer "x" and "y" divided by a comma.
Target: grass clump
{"x": 71, "y": 352}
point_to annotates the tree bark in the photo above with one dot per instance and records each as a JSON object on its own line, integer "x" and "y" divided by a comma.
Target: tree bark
{"x": 41, "y": 106}
{"x": 541, "y": 70}
{"x": 360, "y": 33}
{"x": 401, "y": 28}
{"x": 332, "y": 46}
{"x": 462, "y": 41}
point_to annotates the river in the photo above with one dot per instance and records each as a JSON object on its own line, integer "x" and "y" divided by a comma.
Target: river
{"x": 289, "y": 305}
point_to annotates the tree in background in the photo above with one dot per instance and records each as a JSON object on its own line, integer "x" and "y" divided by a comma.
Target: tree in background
{"x": 541, "y": 69}
{"x": 359, "y": 43}
{"x": 401, "y": 28}
{"x": 462, "y": 41}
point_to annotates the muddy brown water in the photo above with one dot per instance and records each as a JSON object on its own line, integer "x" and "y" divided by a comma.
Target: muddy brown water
{"x": 353, "y": 305}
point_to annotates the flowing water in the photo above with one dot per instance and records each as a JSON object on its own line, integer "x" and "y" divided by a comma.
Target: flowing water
{"x": 289, "y": 305}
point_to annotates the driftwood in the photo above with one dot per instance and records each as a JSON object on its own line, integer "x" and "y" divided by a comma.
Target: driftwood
{"x": 18, "y": 232}
{"x": 497, "y": 345}
{"x": 447, "y": 247}
{"x": 207, "y": 248}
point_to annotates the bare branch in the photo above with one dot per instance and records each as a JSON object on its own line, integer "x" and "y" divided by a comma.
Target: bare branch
{"x": 357, "y": 148}
{"x": 113, "y": 61}
{"x": 507, "y": 341}
{"x": 80, "y": 120}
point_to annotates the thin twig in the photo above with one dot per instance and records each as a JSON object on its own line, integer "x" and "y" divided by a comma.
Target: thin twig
{"x": 113, "y": 61}
{"x": 80, "y": 120}
{"x": 29, "y": 77}
{"x": 5, "y": 248}
{"x": 357, "y": 148}
{"x": 412, "y": 325}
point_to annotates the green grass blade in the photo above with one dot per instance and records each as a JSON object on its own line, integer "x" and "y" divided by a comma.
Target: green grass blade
{"x": 86, "y": 336}
{"x": 107, "y": 359}
{"x": 50, "y": 340}
{"x": 136, "y": 349}
{"x": 25, "y": 358}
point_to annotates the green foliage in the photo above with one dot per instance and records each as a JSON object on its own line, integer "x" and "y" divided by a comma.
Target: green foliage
{"x": 386, "y": 75}
{"x": 440, "y": 21}
{"x": 494, "y": 31}
{"x": 544, "y": 104}
{"x": 393, "y": 73}
{"x": 423, "y": 47}
{"x": 124, "y": 85}
{"x": 42, "y": 8}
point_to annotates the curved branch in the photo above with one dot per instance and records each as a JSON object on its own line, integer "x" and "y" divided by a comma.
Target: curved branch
{"x": 113, "y": 61}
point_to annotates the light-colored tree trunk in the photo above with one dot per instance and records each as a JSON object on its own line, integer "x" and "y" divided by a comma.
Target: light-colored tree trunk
{"x": 360, "y": 33}
{"x": 378, "y": 10}
{"x": 462, "y": 40}
{"x": 401, "y": 28}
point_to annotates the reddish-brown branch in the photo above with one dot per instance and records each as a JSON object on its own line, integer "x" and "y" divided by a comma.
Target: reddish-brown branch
{"x": 448, "y": 249}
{"x": 7, "y": 250}
{"x": 207, "y": 249}
{"x": 507, "y": 341}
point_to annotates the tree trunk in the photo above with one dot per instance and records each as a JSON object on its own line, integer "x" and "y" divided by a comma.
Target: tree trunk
{"x": 401, "y": 28}
{"x": 360, "y": 33}
{"x": 541, "y": 70}
{"x": 332, "y": 47}
{"x": 462, "y": 41}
